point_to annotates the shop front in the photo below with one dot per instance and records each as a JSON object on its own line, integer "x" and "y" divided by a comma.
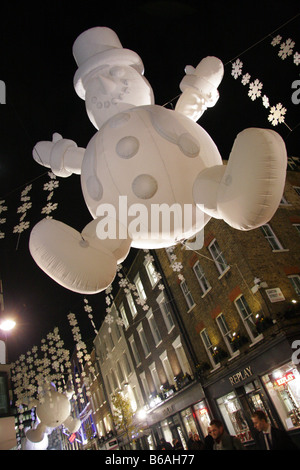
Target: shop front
{"x": 175, "y": 418}
{"x": 267, "y": 380}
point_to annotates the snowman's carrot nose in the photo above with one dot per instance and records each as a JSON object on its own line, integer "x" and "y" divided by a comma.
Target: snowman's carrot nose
{"x": 107, "y": 85}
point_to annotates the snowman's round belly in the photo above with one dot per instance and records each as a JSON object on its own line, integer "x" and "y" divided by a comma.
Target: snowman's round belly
{"x": 143, "y": 162}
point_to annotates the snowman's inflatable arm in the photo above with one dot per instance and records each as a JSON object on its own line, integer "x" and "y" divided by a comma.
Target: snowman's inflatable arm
{"x": 200, "y": 87}
{"x": 61, "y": 155}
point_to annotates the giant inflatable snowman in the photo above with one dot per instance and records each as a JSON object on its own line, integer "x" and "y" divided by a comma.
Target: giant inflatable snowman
{"x": 150, "y": 176}
{"x": 53, "y": 411}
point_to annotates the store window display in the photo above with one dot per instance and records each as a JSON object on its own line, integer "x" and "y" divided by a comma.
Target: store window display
{"x": 283, "y": 386}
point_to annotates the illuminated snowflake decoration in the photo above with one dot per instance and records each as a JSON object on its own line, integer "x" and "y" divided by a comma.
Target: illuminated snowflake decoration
{"x": 277, "y": 114}
{"x": 246, "y": 79}
{"x": 255, "y": 89}
{"x": 265, "y": 101}
{"x": 296, "y": 58}
{"x": 276, "y": 40}
{"x": 286, "y": 49}
{"x": 237, "y": 68}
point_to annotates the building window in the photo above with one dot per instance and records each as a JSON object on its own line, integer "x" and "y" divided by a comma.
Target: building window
{"x": 154, "y": 374}
{"x": 200, "y": 275}
{"x": 283, "y": 385}
{"x": 120, "y": 372}
{"x": 297, "y": 227}
{"x": 140, "y": 287}
{"x": 271, "y": 237}
{"x": 145, "y": 385}
{"x": 134, "y": 351}
{"x": 233, "y": 416}
{"x": 124, "y": 316}
{"x": 181, "y": 356}
{"x": 128, "y": 369}
{"x": 218, "y": 257}
{"x": 208, "y": 347}
{"x": 170, "y": 254}
{"x": 167, "y": 367}
{"x": 143, "y": 340}
{"x": 111, "y": 341}
{"x": 187, "y": 295}
{"x": 226, "y": 334}
{"x": 295, "y": 280}
{"x": 154, "y": 328}
{"x": 166, "y": 311}
{"x": 153, "y": 275}
{"x": 247, "y": 317}
{"x": 131, "y": 304}
{"x": 297, "y": 189}
{"x": 114, "y": 379}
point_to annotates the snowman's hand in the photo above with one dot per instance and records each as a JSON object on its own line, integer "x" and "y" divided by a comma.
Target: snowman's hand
{"x": 61, "y": 155}
{"x": 199, "y": 87}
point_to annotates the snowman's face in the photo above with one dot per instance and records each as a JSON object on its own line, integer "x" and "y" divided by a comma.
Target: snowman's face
{"x": 113, "y": 90}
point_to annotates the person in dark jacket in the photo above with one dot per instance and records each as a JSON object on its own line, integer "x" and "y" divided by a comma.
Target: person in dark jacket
{"x": 269, "y": 437}
{"x": 190, "y": 441}
{"x": 223, "y": 440}
{"x": 164, "y": 445}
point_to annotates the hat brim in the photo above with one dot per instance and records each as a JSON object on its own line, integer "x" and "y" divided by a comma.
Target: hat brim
{"x": 109, "y": 57}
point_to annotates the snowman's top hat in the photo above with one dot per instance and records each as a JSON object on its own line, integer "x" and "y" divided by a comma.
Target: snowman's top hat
{"x": 97, "y": 47}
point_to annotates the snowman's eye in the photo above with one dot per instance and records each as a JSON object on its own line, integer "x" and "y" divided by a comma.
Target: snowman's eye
{"x": 117, "y": 71}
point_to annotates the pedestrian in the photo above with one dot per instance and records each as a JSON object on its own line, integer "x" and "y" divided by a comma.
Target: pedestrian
{"x": 190, "y": 441}
{"x": 198, "y": 444}
{"x": 208, "y": 440}
{"x": 269, "y": 437}
{"x": 223, "y": 440}
{"x": 164, "y": 445}
{"x": 177, "y": 445}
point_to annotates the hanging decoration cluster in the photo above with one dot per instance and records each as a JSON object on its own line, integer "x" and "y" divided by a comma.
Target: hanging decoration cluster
{"x": 131, "y": 291}
{"x": 52, "y": 184}
{"x": 3, "y": 208}
{"x": 277, "y": 112}
{"x": 23, "y": 209}
{"x": 89, "y": 311}
{"x": 83, "y": 358}
{"x": 34, "y": 371}
{"x": 286, "y": 49}
{"x": 26, "y": 204}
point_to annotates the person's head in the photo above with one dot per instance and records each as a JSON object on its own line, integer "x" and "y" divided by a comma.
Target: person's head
{"x": 196, "y": 437}
{"x": 260, "y": 421}
{"x": 190, "y": 435}
{"x": 216, "y": 428}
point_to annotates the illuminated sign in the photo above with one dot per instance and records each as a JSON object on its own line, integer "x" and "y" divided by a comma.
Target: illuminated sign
{"x": 72, "y": 437}
{"x": 285, "y": 379}
{"x": 202, "y": 411}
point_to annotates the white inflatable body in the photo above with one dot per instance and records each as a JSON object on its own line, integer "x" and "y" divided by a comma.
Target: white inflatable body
{"x": 52, "y": 412}
{"x": 147, "y": 162}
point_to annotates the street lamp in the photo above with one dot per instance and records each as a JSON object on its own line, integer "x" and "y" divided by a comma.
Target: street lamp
{"x": 7, "y": 325}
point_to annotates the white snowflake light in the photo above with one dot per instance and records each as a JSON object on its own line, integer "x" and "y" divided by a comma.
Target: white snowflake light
{"x": 296, "y": 58}
{"x": 277, "y": 114}
{"x": 276, "y": 40}
{"x": 237, "y": 68}
{"x": 286, "y": 49}
{"x": 265, "y": 101}
{"x": 246, "y": 79}
{"x": 255, "y": 89}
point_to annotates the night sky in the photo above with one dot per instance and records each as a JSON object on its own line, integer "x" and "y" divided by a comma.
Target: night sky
{"x": 37, "y": 67}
